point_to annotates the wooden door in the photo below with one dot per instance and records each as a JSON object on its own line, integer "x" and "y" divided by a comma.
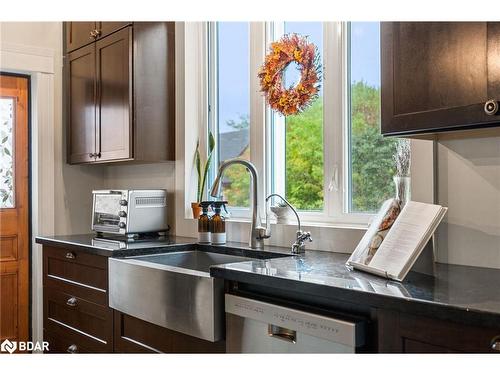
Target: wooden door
{"x": 435, "y": 75}
{"x": 79, "y": 34}
{"x": 106, "y": 28}
{"x": 81, "y": 116}
{"x": 114, "y": 98}
{"x": 14, "y": 237}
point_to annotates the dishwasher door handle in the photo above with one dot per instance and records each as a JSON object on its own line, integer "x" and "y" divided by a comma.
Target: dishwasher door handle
{"x": 282, "y": 333}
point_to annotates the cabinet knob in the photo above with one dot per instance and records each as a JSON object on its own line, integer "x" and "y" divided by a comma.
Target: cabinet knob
{"x": 72, "y": 302}
{"x": 122, "y": 225}
{"x": 72, "y": 349}
{"x": 491, "y": 107}
{"x": 70, "y": 255}
{"x": 495, "y": 344}
{"x": 94, "y": 34}
{"x": 91, "y": 155}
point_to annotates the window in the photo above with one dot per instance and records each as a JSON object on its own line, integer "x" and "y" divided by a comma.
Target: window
{"x": 371, "y": 167}
{"x": 298, "y": 140}
{"x": 229, "y": 111}
{"x": 7, "y": 153}
{"x": 330, "y": 161}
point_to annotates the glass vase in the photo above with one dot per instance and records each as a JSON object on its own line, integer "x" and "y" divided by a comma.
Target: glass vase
{"x": 402, "y": 189}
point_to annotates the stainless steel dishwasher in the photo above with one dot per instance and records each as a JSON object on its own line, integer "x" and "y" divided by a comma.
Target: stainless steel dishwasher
{"x": 254, "y": 326}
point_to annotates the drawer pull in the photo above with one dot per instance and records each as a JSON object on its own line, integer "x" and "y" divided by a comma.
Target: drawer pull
{"x": 282, "y": 333}
{"x": 72, "y": 349}
{"x": 70, "y": 255}
{"x": 72, "y": 302}
{"x": 495, "y": 344}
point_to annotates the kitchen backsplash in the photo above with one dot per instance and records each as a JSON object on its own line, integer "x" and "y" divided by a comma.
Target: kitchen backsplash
{"x": 468, "y": 182}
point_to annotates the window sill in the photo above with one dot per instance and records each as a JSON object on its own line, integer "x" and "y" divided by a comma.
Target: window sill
{"x": 306, "y": 224}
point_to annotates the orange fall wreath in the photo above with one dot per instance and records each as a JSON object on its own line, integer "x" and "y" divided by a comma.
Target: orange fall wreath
{"x": 291, "y": 48}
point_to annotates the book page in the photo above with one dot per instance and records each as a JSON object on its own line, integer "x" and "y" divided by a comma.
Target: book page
{"x": 405, "y": 237}
{"x": 376, "y": 233}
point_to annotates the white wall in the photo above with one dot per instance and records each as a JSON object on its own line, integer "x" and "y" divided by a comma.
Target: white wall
{"x": 72, "y": 184}
{"x": 469, "y": 184}
{"x": 144, "y": 176}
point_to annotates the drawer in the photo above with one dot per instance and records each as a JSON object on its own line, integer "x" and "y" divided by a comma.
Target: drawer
{"x": 85, "y": 274}
{"x": 65, "y": 335}
{"x": 59, "y": 344}
{"x": 82, "y": 315}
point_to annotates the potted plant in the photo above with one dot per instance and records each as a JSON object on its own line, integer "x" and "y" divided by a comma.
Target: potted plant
{"x": 283, "y": 213}
{"x": 202, "y": 174}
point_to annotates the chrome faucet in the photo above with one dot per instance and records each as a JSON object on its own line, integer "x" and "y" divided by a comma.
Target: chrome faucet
{"x": 299, "y": 246}
{"x": 257, "y": 232}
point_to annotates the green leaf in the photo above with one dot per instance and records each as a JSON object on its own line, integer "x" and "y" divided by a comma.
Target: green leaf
{"x": 7, "y": 152}
{"x": 198, "y": 170}
{"x": 211, "y": 143}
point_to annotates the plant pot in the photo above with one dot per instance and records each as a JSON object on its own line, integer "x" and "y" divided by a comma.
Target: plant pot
{"x": 284, "y": 215}
{"x": 195, "y": 207}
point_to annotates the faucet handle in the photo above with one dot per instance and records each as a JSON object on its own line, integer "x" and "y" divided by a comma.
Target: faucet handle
{"x": 262, "y": 233}
{"x": 299, "y": 246}
{"x": 303, "y": 236}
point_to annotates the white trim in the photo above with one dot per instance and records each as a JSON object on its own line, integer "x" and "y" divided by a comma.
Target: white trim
{"x": 40, "y": 64}
{"x": 345, "y": 228}
{"x": 19, "y": 58}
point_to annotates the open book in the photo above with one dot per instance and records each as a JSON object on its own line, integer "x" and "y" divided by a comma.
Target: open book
{"x": 396, "y": 238}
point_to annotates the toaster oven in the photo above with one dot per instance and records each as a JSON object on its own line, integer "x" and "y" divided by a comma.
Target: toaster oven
{"x": 129, "y": 212}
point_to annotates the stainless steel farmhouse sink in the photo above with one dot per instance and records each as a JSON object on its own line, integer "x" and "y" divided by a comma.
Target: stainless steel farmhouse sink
{"x": 173, "y": 290}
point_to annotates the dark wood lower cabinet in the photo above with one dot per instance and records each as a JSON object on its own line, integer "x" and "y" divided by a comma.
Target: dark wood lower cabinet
{"x": 407, "y": 333}
{"x": 78, "y": 319}
{"x": 132, "y": 335}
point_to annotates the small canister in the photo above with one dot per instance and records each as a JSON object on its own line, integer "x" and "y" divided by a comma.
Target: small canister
{"x": 218, "y": 224}
{"x": 204, "y": 235}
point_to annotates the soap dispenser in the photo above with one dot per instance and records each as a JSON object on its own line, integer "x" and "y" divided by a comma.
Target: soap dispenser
{"x": 204, "y": 223}
{"x": 218, "y": 224}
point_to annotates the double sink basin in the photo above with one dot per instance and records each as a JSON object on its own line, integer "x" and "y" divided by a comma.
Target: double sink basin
{"x": 173, "y": 290}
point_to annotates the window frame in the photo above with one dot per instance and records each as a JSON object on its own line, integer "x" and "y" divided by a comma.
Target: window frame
{"x": 336, "y": 123}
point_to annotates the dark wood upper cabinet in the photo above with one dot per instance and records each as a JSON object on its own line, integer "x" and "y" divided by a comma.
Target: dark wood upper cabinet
{"x": 114, "y": 96}
{"x": 438, "y": 76}
{"x": 106, "y": 28}
{"x": 120, "y": 102}
{"x": 79, "y": 34}
{"x": 81, "y": 88}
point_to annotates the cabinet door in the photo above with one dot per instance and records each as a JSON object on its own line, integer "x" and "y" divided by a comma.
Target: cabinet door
{"x": 407, "y": 333}
{"x": 78, "y": 34}
{"x": 81, "y": 89}
{"x": 132, "y": 335}
{"x": 106, "y": 28}
{"x": 114, "y": 98}
{"x": 435, "y": 75}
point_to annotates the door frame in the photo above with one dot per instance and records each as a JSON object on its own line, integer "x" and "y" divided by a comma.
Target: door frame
{"x": 30, "y": 233}
{"x": 42, "y": 65}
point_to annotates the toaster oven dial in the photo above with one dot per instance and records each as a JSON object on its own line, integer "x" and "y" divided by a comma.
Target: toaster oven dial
{"x": 123, "y": 202}
{"x": 122, "y": 225}
{"x": 122, "y": 214}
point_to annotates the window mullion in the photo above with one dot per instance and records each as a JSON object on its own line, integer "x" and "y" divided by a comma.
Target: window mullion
{"x": 257, "y": 108}
{"x": 213, "y": 123}
{"x": 333, "y": 119}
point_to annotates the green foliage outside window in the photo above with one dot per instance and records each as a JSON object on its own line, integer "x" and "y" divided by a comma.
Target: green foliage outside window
{"x": 372, "y": 167}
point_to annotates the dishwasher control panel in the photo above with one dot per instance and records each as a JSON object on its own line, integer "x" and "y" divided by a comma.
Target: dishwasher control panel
{"x": 287, "y": 323}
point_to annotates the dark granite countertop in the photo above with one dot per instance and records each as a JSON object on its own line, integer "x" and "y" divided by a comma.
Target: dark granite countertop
{"x": 461, "y": 293}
